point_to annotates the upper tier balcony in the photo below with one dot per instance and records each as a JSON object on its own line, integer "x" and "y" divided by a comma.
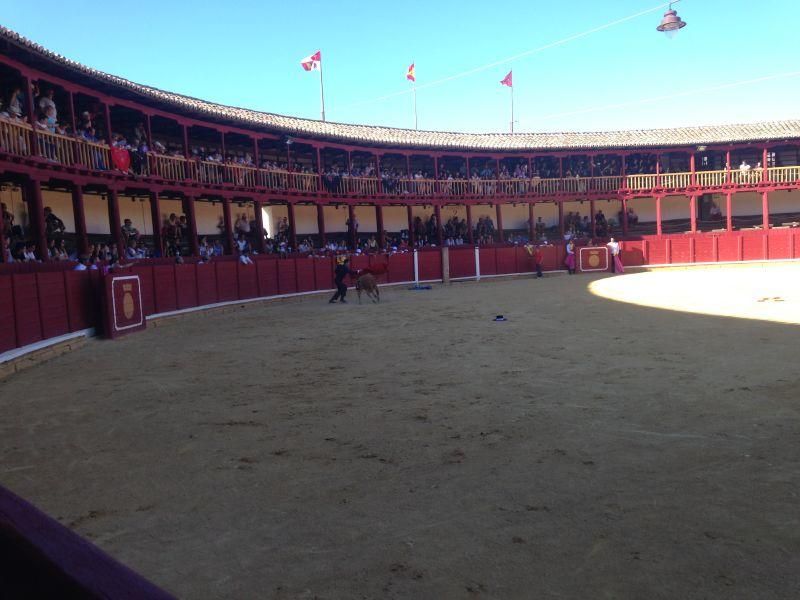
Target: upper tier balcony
{"x": 63, "y": 152}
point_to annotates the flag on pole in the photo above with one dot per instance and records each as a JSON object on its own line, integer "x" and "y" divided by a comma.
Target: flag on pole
{"x": 507, "y": 80}
{"x": 313, "y": 62}
{"x": 411, "y": 75}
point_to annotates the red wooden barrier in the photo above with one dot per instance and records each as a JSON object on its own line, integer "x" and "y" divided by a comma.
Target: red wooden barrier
{"x": 287, "y": 277}
{"x": 186, "y": 286}
{"x": 704, "y": 248}
{"x": 206, "y": 284}
{"x": 267, "y": 276}
{"x": 430, "y": 265}
{"x": 52, "y": 304}
{"x": 304, "y": 268}
{"x": 145, "y": 273}
{"x": 227, "y": 281}
{"x": 506, "y": 260}
{"x": 780, "y": 244}
{"x": 164, "y": 286}
{"x": 26, "y": 309}
{"x": 8, "y": 331}
{"x": 525, "y": 263}
{"x": 633, "y": 253}
{"x": 752, "y": 247}
{"x": 248, "y": 281}
{"x": 379, "y": 261}
{"x": 401, "y": 267}
{"x": 680, "y": 251}
{"x": 462, "y": 262}
{"x": 323, "y": 273}
{"x": 487, "y": 259}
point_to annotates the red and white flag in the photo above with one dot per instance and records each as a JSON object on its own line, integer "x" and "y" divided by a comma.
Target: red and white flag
{"x": 507, "y": 80}
{"x": 313, "y": 62}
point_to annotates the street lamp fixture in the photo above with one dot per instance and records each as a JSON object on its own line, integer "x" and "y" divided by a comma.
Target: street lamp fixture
{"x": 671, "y": 22}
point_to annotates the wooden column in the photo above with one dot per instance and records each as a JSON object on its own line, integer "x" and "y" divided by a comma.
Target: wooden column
{"x": 470, "y": 232}
{"x": 560, "y": 218}
{"x": 261, "y": 243}
{"x": 500, "y": 232}
{"x": 36, "y": 216}
{"x": 692, "y": 169}
{"x": 115, "y": 221}
{"x": 351, "y": 227}
{"x": 764, "y": 173}
{"x": 438, "y": 212}
{"x": 28, "y": 90}
{"x": 728, "y": 166}
{"x": 378, "y": 173}
{"x": 593, "y": 228}
{"x": 185, "y": 130}
{"x": 693, "y": 213}
{"x": 79, "y": 214}
{"x": 155, "y": 219}
{"x": 729, "y": 211}
{"x": 323, "y": 238}
{"x": 226, "y": 215}
{"x": 625, "y": 223}
{"x": 410, "y": 226}
{"x": 108, "y": 131}
{"x": 379, "y": 221}
{"x": 292, "y": 227}
{"x": 659, "y": 230}
{"x": 765, "y": 210}
{"x": 531, "y": 221}
{"x": 191, "y": 217}
{"x": 72, "y": 120}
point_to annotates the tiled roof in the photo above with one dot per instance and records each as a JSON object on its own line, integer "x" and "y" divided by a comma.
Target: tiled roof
{"x": 407, "y": 138}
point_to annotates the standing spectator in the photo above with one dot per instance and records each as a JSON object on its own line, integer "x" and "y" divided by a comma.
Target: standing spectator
{"x": 129, "y": 232}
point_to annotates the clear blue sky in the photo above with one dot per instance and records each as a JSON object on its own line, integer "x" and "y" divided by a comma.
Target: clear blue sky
{"x": 246, "y": 53}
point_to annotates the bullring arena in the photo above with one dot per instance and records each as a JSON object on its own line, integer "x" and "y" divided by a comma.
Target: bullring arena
{"x": 615, "y": 435}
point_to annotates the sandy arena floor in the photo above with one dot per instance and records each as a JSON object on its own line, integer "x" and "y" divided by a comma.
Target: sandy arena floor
{"x": 586, "y": 448}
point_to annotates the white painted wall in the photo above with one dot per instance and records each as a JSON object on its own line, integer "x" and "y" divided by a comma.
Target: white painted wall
{"x": 305, "y": 218}
{"x": 514, "y": 217}
{"x": 367, "y": 219}
{"x": 335, "y": 219}
{"x": 548, "y": 211}
{"x": 96, "y": 214}
{"x": 138, "y": 212}
{"x": 395, "y": 218}
{"x": 208, "y": 217}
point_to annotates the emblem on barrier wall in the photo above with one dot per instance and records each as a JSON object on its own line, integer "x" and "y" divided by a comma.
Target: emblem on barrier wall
{"x": 593, "y": 258}
{"x": 124, "y": 310}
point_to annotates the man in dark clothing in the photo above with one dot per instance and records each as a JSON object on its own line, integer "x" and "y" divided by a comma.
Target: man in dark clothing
{"x": 342, "y": 271}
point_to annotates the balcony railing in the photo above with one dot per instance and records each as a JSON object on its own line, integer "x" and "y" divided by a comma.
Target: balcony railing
{"x": 56, "y": 148}
{"x": 17, "y": 137}
{"x": 168, "y": 167}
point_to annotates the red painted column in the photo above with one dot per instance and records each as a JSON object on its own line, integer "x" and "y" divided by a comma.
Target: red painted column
{"x": 351, "y": 229}
{"x": 226, "y": 214}
{"x": 36, "y": 215}
{"x": 155, "y": 220}
{"x": 411, "y": 239}
{"x": 72, "y": 120}
{"x": 591, "y": 218}
{"x": 658, "y": 170}
{"x": 470, "y": 232}
{"x": 438, "y": 212}
{"x": 191, "y": 217}
{"x": 729, "y": 211}
{"x": 531, "y": 221}
{"x": 623, "y": 173}
{"x": 3, "y": 246}
{"x": 292, "y": 227}
{"x": 256, "y": 153}
{"x": 378, "y": 173}
{"x": 27, "y": 86}
{"x": 323, "y": 238}
{"x": 115, "y": 221}
{"x": 436, "y": 189}
{"x": 500, "y": 233}
{"x": 149, "y": 129}
{"x": 79, "y": 214}
{"x": 186, "y": 153}
{"x": 261, "y": 243}
{"x": 108, "y": 130}
{"x": 319, "y": 169}
{"x": 625, "y": 223}
{"x": 765, "y": 210}
{"x": 692, "y": 170}
{"x": 560, "y": 218}
{"x": 728, "y": 166}
{"x": 379, "y": 221}
{"x": 764, "y": 174}
{"x": 659, "y": 230}
{"x": 693, "y": 213}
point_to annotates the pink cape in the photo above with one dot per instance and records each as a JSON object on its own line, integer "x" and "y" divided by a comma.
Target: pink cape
{"x": 570, "y": 261}
{"x": 618, "y": 268}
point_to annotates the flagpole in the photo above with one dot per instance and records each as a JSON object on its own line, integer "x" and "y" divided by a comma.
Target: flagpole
{"x": 321, "y": 90}
{"x": 414, "y": 90}
{"x": 512, "y": 108}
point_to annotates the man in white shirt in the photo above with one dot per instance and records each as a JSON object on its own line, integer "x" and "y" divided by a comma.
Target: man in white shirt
{"x": 46, "y": 101}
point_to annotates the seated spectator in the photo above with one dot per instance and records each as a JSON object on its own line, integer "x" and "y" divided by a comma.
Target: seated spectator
{"x": 218, "y": 250}
{"x": 204, "y": 248}
{"x": 29, "y": 254}
{"x": 245, "y": 259}
{"x": 242, "y": 245}
{"x": 242, "y": 224}
{"x": 61, "y": 250}
{"x": 715, "y": 212}
{"x": 83, "y": 263}
{"x": 132, "y": 251}
{"x": 129, "y": 232}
